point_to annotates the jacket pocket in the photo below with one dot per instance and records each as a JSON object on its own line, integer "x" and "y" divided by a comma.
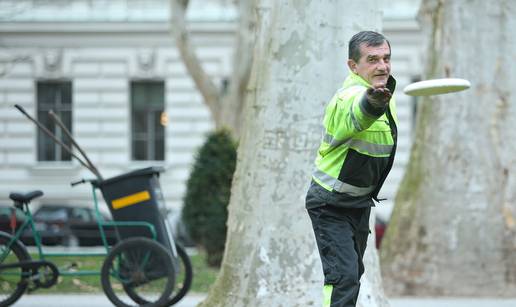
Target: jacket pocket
{"x": 380, "y": 125}
{"x": 362, "y": 170}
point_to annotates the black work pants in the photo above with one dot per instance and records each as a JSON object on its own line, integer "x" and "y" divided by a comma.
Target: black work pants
{"x": 341, "y": 235}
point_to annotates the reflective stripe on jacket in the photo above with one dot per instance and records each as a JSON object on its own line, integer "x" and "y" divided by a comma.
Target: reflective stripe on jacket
{"x": 358, "y": 145}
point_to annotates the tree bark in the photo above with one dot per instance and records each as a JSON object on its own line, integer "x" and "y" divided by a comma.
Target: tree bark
{"x": 453, "y": 228}
{"x": 300, "y": 60}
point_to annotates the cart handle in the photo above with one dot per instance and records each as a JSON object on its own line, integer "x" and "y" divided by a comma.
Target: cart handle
{"x": 58, "y": 121}
{"x": 55, "y": 139}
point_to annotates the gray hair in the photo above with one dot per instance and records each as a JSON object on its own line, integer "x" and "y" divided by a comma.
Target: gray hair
{"x": 369, "y": 38}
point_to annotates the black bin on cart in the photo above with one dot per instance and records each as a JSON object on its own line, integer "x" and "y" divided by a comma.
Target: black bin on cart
{"x": 136, "y": 197}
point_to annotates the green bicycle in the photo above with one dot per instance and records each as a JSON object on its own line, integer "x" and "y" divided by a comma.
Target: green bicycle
{"x": 139, "y": 270}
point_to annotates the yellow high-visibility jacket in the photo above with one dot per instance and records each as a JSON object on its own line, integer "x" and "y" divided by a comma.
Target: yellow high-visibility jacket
{"x": 359, "y": 143}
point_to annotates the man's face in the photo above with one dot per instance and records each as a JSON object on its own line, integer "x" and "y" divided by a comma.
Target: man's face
{"x": 374, "y": 65}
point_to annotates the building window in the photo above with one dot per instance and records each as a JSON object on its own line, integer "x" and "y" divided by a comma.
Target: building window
{"x": 148, "y": 120}
{"x": 55, "y": 96}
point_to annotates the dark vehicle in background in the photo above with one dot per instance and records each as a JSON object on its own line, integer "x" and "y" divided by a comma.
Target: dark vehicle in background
{"x": 178, "y": 228}
{"x": 7, "y": 220}
{"x": 379, "y": 228}
{"x": 76, "y": 226}
{"x": 68, "y": 226}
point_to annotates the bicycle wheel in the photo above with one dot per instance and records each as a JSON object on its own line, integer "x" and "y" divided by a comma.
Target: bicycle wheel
{"x": 13, "y": 281}
{"x": 141, "y": 265}
{"x": 184, "y": 276}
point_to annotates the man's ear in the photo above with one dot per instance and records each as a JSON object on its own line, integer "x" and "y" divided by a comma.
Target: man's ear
{"x": 352, "y": 66}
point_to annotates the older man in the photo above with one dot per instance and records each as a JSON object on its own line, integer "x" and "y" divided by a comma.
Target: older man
{"x": 353, "y": 160}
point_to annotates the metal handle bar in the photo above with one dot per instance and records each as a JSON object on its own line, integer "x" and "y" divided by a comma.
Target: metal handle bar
{"x": 70, "y": 137}
{"x": 94, "y": 182}
{"x": 55, "y": 139}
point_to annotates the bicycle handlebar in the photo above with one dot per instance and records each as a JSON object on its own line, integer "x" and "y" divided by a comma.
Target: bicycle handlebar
{"x": 92, "y": 181}
{"x": 77, "y": 182}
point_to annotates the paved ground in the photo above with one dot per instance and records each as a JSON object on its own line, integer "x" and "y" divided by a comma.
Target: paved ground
{"x": 86, "y": 300}
{"x": 193, "y": 299}
{"x": 452, "y": 302}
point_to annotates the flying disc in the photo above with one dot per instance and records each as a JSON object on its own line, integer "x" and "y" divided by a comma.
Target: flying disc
{"x": 436, "y": 87}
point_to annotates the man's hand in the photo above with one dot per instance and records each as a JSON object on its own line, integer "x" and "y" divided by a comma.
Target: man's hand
{"x": 379, "y": 96}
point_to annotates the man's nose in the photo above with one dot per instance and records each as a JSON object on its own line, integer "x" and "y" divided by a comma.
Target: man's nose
{"x": 382, "y": 65}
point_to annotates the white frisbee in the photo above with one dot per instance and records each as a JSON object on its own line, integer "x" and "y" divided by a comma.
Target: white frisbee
{"x": 436, "y": 87}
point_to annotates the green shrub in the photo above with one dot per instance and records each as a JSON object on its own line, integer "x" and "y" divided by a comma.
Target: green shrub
{"x": 207, "y": 194}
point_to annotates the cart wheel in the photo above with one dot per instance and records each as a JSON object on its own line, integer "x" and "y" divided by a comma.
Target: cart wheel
{"x": 13, "y": 281}
{"x": 141, "y": 265}
{"x": 184, "y": 276}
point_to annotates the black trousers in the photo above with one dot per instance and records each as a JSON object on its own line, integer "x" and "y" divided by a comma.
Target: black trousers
{"x": 341, "y": 235}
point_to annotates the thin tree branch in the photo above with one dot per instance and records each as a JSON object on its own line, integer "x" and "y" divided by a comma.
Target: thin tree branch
{"x": 242, "y": 63}
{"x": 243, "y": 58}
{"x": 203, "y": 82}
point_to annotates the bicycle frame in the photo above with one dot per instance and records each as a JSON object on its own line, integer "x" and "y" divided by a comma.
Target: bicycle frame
{"x": 42, "y": 255}
{"x": 40, "y": 273}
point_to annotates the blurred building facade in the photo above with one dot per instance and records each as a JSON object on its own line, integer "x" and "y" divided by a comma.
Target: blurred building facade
{"x": 110, "y": 70}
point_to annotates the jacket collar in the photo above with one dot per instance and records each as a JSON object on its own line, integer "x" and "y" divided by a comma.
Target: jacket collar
{"x": 354, "y": 79}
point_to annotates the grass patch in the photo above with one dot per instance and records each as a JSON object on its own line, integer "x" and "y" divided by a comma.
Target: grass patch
{"x": 204, "y": 276}
{"x": 76, "y": 284}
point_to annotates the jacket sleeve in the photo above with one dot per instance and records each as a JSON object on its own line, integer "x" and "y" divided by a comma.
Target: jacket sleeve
{"x": 353, "y": 114}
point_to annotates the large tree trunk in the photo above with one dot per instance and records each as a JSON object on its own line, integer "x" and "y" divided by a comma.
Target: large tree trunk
{"x": 453, "y": 229}
{"x": 300, "y": 60}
